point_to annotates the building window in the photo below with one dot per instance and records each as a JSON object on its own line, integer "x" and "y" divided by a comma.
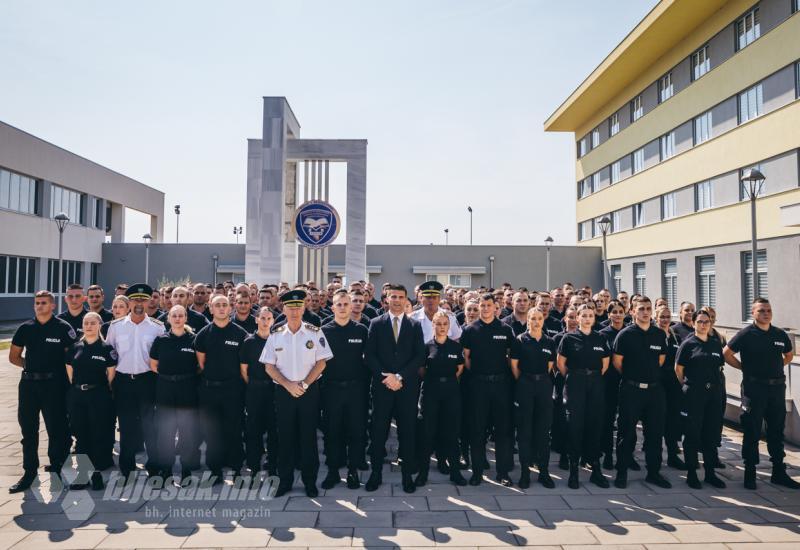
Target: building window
{"x": 703, "y": 195}
{"x": 665, "y": 89}
{"x": 669, "y": 269}
{"x": 17, "y": 192}
{"x": 751, "y": 103}
{"x": 706, "y": 282}
{"x": 616, "y": 223}
{"x": 582, "y": 147}
{"x": 747, "y": 279}
{"x": 616, "y": 278}
{"x": 744, "y": 187}
{"x": 638, "y": 214}
{"x": 460, "y": 280}
{"x": 595, "y": 228}
{"x": 93, "y": 276}
{"x": 667, "y": 145}
{"x": 638, "y": 160}
{"x": 71, "y": 275}
{"x": 69, "y": 202}
{"x": 580, "y": 232}
{"x": 748, "y": 29}
{"x": 703, "y": 128}
{"x": 17, "y": 275}
{"x": 701, "y": 63}
{"x": 595, "y": 137}
{"x": 639, "y": 279}
{"x": 616, "y": 171}
{"x": 613, "y": 125}
{"x": 97, "y": 213}
{"x": 669, "y": 206}
{"x": 637, "y": 111}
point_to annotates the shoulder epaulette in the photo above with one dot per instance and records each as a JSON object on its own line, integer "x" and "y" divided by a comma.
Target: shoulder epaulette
{"x": 309, "y": 326}
{"x": 280, "y": 329}
{"x": 117, "y": 320}
{"x": 156, "y": 321}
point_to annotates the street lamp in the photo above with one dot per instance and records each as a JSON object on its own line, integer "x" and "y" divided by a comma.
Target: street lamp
{"x": 548, "y": 242}
{"x": 61, "y": 220}
{"x": 753, "y": 183}
{"x": 215, "y": 257}
{"x": 605, "y": 224}
{"x": 446, "y": 237}
{"x": 469, "y": 209}
{"x": 177, "y": 221}
{"x": 147, "y": 238}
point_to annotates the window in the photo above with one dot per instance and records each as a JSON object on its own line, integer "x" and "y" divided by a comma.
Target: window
{"x": 613, "y": 125}
{"x": 751, "y": 103}
{"x": 638, "y": 214}
{"x": 639, "y": 279}
{"x": 748, "y": 29}
{"x": 701, "y": 63}
{"x": 586, "y": 187}
{"x": 616, "y": 278}
{"x": 595, "y": 137}
{"x": 706, "y": 282}
{"x": 703, "y": 195}
{"x": 665, "y": 89}
{"x": 595, "y": 182}
{"x": 667, "y": 145}
{"x": 703, "y": 128}
{"x": 616, "y": 171}
{"x": 637, "y": 111}
{"x": 582, "y": 147}
{"x": 93, "y": 276}
{"x": 72, "y": 274}
{"x": 595, "y": 228}
{"x": 69, "y": 202}
{"x": 97, "y": 213}
{"x": 744, "y": 188}
{"x": 669, "y": 206}
{"x": 461, "y": 280}
{"x": 17, "y": 192}
{"x": 638, "y": 160}
{"x": 616, "y": 223}
{"x": 669, "y": 284}
{"x": 17, "y": 275}
{"x": 580, "y": 232}
{"x": 747, "y": 279}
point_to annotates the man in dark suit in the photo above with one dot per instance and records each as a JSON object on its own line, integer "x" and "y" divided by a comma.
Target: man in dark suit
{"x": 395, "y": 351}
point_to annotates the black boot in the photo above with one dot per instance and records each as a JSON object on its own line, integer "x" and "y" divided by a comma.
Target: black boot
{"x": 408, "y": 483}
{"x": 563, "y": 462}
{"x": 476, "y": 479}
{"x": 608, "y": 462}
{"x": 572, "y": 482}
{"x": 422, "y": 477}
{"x": 674, "y": 461}
{"x": 780, "y": 477}
{"x": 352, "y": 479}
{"x": 374, "y": 481}
{"x": 97, "y": 481}
{"x": 691, "y": 479}
{"x": 545, "y": 479}
{"x": 524, "y": 477}
{"x": 658, "y": 480}
{"x": 597, "y": 476}
{"x": 331, "y": 480}
{"x": 457, "y": 478}
{"x": 621, "y": 481}
{"x": 712, "y": 479}
{"x": 750, "y": 477}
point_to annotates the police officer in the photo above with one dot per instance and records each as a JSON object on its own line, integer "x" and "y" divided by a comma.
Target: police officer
{"x": 200, "y": 295}
{"x": 518, "y": 320}
{"x": 242, "y": 315}
{"x": 308, "y": 315}
{"x": 673, "y": 396}
{"x": 697, "y": 369}
{"x": 487, "y": 343}
{"x": 684, "y": 327}
{"x": 558, "y": 431}
{"x": 295, "y": 357}
{"x": 153, "y": 307}
{"x": 639, "y": 354}
{"x": 91, "y": 364}
{"x": 74, "y": 299}
{"x": 431, "y": 292}
{"x": 221, "y": 394}
{"x": 174, "y": 360}
{"x": 532, "y": 356}
{"x": 94, "y": 298}
{"x": 134, "y": 383}
{"x": 583, "y": 357}
{"x": 764, "y": 350}
{"x": 344, "y": 399}
{"x": 180, "y": 297}
{"x": 44, "y": 339}
{"x": 611, "y": 379}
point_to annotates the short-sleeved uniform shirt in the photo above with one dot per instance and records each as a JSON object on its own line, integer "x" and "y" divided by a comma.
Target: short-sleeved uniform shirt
{"x": 294, "y": 354}
{"x": 610, "y": 334}
{"x": 584, "y": 351}
{"x": 489, "y": 345}
{"x": 249, "y": 355}
{"x": 641, "y": 351}
{"x": 673, "y": 343}
{"x": 442, "y": 360}
{"x": 221, "y": 346}
{"x": 248, "y": 324}
{"x": 761, "y": 351}
{"x": 133, "y": 342}
{"x": 347, "y": 343}
{"x": 553, "y": 325}
{"x": 555, "y": 314}
{"x": 195, "y": 320}
{"x": 90, "y": 361}
{"x": 75, "y": 321}
{"x": 175, "y": 354}
{"x": 517, "y": 327}
{"x": 45, "y": 344}
{"x": 701, "y": 361}
{"x": 682, "y": 330}
{"x": 533, "y": 355}
{"x": 105, "y": 315}
{"x": 453, "y": 332}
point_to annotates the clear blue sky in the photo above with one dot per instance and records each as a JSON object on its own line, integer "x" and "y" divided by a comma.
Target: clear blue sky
{"x": 451, "y": 95}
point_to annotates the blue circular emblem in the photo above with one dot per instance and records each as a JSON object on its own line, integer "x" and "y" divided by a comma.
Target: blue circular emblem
{"x": 316, "y": 224}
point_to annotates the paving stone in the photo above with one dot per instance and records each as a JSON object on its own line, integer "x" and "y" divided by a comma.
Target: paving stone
{"x": 465, "y": 536}
{"x": 578, "y": 517}
{"x": 539, "y": 536}
{"x": 61, "y": 540}
{"x": 511, "y": 518}
{"x": 734, "y": 499}
{"x": 633, "y": 515}
{"x": 210, "y": 537}
{"x": 526, "y": 502}
{"x": 302, "y": 536}
{"x": 777, "y": 514}
{"x": 319, "y": 504}
{"x": 431, "y": 519}
{"x": 708, "y": 532}
{"x": 281, "y": 519}
{"x": 403, "y": 538}
{"x": 393, "y": 504}
{"x": 670, "y": 500}
{"x": 463, "y": 502}
{"x": 146, "y": 538}
{"x": 632, "y": 534}
{"x": 721, "y": 515}
{"x": 775, "y": 532}
{"x": 598, "y": 501}
{"x": 356, "y": 518}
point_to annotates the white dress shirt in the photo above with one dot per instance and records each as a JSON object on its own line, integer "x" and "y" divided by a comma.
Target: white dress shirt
{"x": 132, "y": 342}
{"x": 454, "y": 332}
{"x": 294, "y": 354}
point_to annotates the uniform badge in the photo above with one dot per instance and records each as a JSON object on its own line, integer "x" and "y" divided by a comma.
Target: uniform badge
{"x": 310, "y": 344}
{"x": 322, "y": 342}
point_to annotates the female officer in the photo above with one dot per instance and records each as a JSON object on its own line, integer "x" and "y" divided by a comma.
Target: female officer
{"x": 697, "y": 368}
{"x": 471, "y": 314}
{"x": 441, "y": 399}
{"x": 558, "y": 429}
{"x": 583, "y": 357}
{"x": 120, "y": 307}
{"x": 173, "y": 357}
{"x": 91, "y": 364}
{"x": 532, "y": 356}
{"x": 714, "y": 333}
{"x": 611, "y": 379}
{"x": 673, "y": 425}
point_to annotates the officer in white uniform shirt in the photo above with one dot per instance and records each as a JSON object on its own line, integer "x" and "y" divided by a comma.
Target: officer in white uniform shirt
{"x": 295, "y": 356}
{"x": 134, "y": 383}
{"x": 431, "y": 292}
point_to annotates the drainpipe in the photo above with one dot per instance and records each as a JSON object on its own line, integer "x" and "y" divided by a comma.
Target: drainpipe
{"x": 491, "y": 271}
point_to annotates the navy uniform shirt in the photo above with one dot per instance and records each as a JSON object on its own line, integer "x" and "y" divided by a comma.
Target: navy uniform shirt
{"x": 45, "y": 344}
{"x": 517, "y": 327}
{"x": 555, "y": 314}
{"x": 156, "y": 314}
{"x": 442, "y": 360}
{"x": 641, "y": 350}
{"x": 221, "y": 346}
{"x": 175, "y": 354}
{"x": 672, "y": 352}
{"x": 701, "y": 361}
{"x": 105, "y": 315}
{"x": 250, "y": 352}
{"x": 90, "y": 361}
{"x": 488, "y": 344}
{"x": 249, "y": 324}
{"x": 552, "y": 325}
{"x": 682, "y": 330}
{"x": 584, "y": 351}
{"x": 195, "y": 320}
{"x": 610, "y": 334}
{"x": 600, "y": 318}
{"x": 75, "y": 321}
{"x": 533, "y": 355}
{"x": 761, "y": 351}
{"x": 347, "y": 343}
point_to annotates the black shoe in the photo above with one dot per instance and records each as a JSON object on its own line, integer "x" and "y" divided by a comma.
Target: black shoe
{"x": 331, "y": 480}
{"x": 608, "y": 462}
{"x": 658, "y": 480}
{"x": 24, "y": 483}
{"x": 621, "y": 481}
{"x": 524, "y": 478}
{"x": 572, "y": 482}
{"x": 750, "y": 478}
{"x": 311, "y": 491}
{"x": 545, "y": 479}
{"x": 691, "y": 479}
{"x": 712, "y": 479}
{"x": 97, "y": 481}
{"x": 374, "y": 481}
{"x": 283, "y": 489}
{"x": 674, "y": 461}
{"x": 363, "y": 466}
{"x": 633, "y": 465}
{"x": 563, "y": 462}
{"x": 716, "y": 463}
{"x": 352, "y": 480}
{"x": 780, "y": 477}
{"x": 422, "y": 478}
{"x": 443, "y": 467}
{"x": 457, "y": 478}
{"x": 485, "y": 464}
{"x": 463, "y": 464}
{"x": 52, "y": 468}
{"x": 476, "y": 479}
{"x": 408, "y": 484}
{"x": 503, "y": 479}
{"x": 597, "y": 476}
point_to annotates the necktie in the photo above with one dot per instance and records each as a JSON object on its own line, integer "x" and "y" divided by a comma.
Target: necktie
{"x": 395, "y": 327}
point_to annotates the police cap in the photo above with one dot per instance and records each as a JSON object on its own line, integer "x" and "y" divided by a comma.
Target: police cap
{"x": 139, "y": 290}
{"x": 294, "y": 298}
{"x": 431, "y": 288}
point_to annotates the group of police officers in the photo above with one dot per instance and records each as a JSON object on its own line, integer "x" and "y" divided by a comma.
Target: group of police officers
{"x": 254, "y": 373}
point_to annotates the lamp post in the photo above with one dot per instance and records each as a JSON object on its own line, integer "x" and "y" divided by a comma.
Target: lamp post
{"x": 177, "y": 221}
{"x": 446, "y": 237}
{"x": 491, "y": 271}
{"x": 753, "y": 183}
{"x": 237, "y": 231}
{"x": 469, "y": 209}
{"x": 215, "y": 258}
{"x": 548, "y": 242}
{"x": 61, "y": 220}
{"x": 147, "y": 238}
{"x": 605, "y": 223}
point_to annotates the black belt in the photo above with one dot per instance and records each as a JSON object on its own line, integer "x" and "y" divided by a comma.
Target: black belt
{"x": 491, "y": 377}
{"x": 28, "y": 375}
{"x": 127, "y": 376}
{"x": 535, "y": 377}
{"x": 86, "y": 387}
{"x": 217, "y": 383}
{"x": 260, "y": 381}
{"x": 341, "y": 383}
{"x": 642, "y": 385}
{"x": 176, "y": 377}
{"x": 442, "y": 379}
{"x": 583, "y": 372}
{"x": 702, "y": 386}
{"x": 767, "y": 381}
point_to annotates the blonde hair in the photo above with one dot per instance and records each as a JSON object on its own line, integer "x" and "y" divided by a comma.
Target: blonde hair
{"x": 93, "y": 315}
{"x": 186, "y": 326}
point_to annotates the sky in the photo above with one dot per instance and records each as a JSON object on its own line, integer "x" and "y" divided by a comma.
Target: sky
{"x": 451, "y": 95}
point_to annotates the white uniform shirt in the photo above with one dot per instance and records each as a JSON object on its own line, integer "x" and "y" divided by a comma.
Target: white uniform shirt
{"x": 132, "y": 342}
{"x": 295, "y": 354}
{"x": 454, "y": 332}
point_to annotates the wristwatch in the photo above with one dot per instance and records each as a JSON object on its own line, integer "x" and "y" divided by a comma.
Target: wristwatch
{"x": 399, "y": 377}
{"x": 303, "y": 385}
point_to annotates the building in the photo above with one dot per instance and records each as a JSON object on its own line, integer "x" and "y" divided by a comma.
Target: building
{"x": 39, "y": 180}
{"x": 664, "y": 127}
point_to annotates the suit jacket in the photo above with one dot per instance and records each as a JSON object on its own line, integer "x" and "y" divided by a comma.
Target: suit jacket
{"x": 403, "y": 357}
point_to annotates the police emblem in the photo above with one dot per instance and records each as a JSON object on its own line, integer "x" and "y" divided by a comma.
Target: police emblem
{"x": 309, "y": 344}
{"x": 322, "y": 342}
{"x": 316, "y": 224}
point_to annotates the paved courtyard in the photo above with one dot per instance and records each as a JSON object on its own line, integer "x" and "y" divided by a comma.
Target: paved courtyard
{"x": 440, "y": 514}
